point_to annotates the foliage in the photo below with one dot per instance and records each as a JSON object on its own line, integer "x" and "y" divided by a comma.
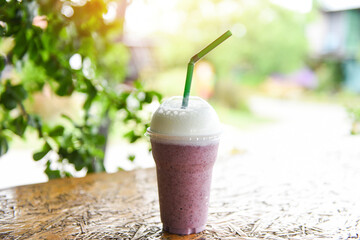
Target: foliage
{"x": 39, "y": 39}
{"x": 231, "y": 95}
{"x": 330, "y": 74}
{"x": 354, "y": 114}
{"x": 266, "y": 38}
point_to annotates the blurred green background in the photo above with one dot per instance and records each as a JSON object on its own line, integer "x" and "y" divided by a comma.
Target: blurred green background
{"x": 283, "y": 49}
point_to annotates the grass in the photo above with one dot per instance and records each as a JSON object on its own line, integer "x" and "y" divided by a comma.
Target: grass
{"x": 243, "y": 119}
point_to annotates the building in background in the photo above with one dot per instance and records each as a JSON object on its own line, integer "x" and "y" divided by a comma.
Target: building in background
{"x": 336, "y": 35}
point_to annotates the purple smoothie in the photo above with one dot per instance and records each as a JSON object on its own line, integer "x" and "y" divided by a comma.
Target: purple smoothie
{"x": 184, "y": 177}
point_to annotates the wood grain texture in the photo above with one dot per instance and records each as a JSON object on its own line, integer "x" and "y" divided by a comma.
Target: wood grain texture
{"x": 246, "y": 203}
{"x": 123, "y": 205}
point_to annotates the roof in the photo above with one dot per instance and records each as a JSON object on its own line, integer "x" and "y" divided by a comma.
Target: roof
{"x": 338, "y": 5}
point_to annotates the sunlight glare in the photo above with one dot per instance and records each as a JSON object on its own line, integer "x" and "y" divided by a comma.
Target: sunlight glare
{"x": 302, "y": 6}
{"x": 78, "y": 3}
{"x": 75, "y": 61}
{"x": 207, "y": 9}
{"x": 111, "y": 13}
{"x": 87, "y": 70}
{"x": 226, "y": 8}
{"x": 67, "y": 10}
{"x": 267, "y": 15}
{"x": 238, "y": 30}
{"x": 144, "y": 18}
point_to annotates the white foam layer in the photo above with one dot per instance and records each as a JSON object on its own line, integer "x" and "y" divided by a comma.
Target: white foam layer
{"x": 184, "y": 140}
{"x": 198, "y": 119}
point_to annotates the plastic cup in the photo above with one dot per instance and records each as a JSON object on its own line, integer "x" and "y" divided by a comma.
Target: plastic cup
{"x": 184, "y": 160}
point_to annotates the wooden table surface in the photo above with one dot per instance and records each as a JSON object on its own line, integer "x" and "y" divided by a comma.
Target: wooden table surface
{"x": 245, "y": 204}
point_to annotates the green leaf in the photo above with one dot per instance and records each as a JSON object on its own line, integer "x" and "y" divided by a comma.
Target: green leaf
{"x": 21, "y": 44}
{"x": 96, "y": 152}
{"x": 19, "y": 92}
{"x": 129, "y": 134}
{"x": 2, "y": 28}
{"x": 29, "y": 34}
{"x": 35, "y": 122}
{"x": 131, "y": 157}
{"x": 87, "y": 103}
{"x": 45, "y": 55}
{"x": 65, "y": 89}
{"x": 99, "y": 140}
{"x": 67, "y": 117}
{"x": 68, "y": 141}
{"x": 91, "y": 92}
{"x": 52, "y": 174}
{"x": 149, "y": 96}
{"x": 40, "y": 155}
{"x": 18, "y": 125}
{"x": 57, "y": 131}
{"x": 138, "y": 85}
{"x": 63, "y": 153}
{"x": 77, "y": 159}
{"x": 2, "y": 62}
{"x": 12, "y": 95}
{"x": 8, "y": 101}
{"x": 4, "y": 147}
{"x": 132, "y": 136}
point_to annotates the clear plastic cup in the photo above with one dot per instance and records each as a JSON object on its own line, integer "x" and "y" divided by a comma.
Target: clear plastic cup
{"x": 184, "y": 160}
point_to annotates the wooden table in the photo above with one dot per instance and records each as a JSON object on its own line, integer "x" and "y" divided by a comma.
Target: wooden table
{"x": 245, "y": 204}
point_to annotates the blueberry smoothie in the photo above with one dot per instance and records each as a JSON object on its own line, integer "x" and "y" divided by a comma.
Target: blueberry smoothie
{"x": 184, "y": 146}
{"x": 184, "y": 178}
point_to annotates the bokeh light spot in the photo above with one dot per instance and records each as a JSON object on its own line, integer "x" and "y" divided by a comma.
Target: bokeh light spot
{"x": 75, "y": 61}
{"x": 67, "y": 10}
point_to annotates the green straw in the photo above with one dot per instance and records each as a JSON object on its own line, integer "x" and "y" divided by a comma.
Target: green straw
{"x": 194, "y": 59}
